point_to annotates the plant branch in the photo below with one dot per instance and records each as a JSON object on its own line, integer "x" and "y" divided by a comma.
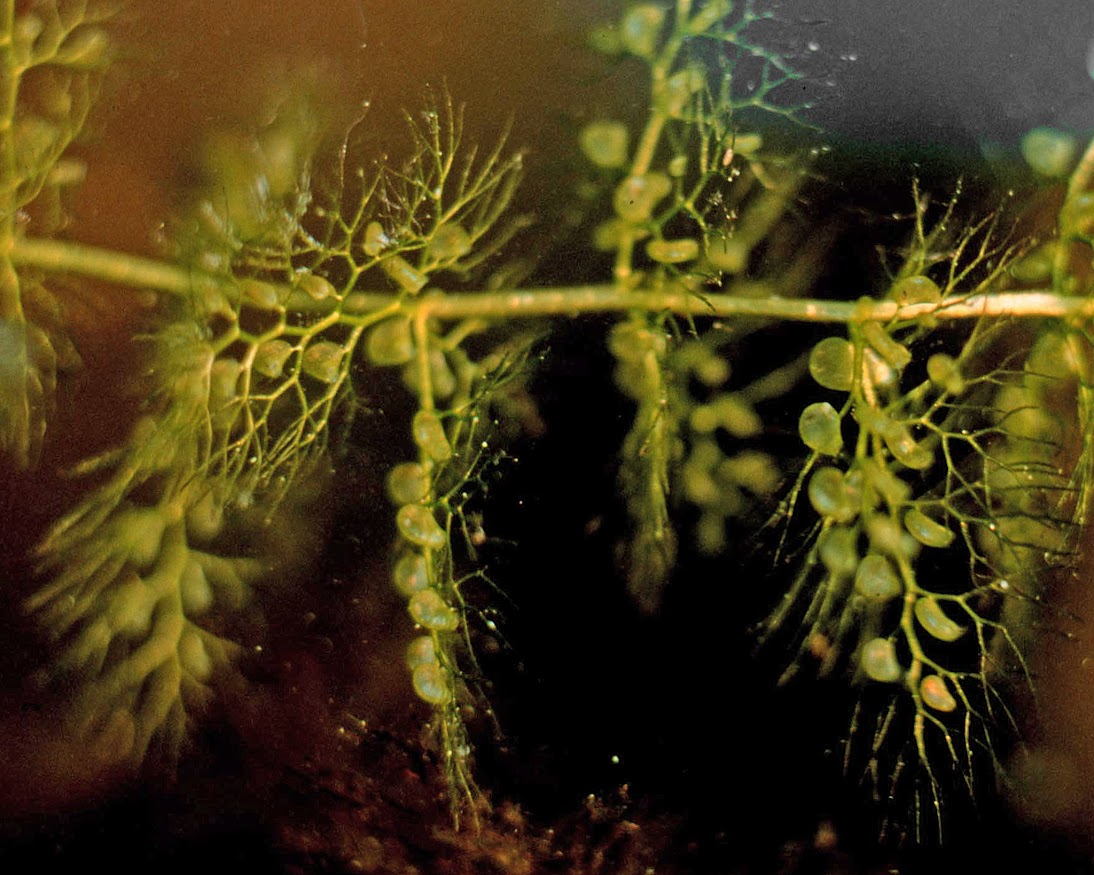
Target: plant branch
{"x": 144, "y": 273}
{"x": 62, "y": 256}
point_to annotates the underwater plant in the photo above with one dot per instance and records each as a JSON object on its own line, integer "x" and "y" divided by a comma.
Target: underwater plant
{"x": 939, "y": 477}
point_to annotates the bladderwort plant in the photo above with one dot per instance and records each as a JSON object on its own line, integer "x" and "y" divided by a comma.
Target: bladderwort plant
{"x": 945, "y": 457}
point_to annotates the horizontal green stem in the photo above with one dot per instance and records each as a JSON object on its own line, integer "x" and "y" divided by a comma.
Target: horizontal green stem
{"x": 129, "y": 270}
{"x": 62, "y": 256}
{"x": 574, "y": 300}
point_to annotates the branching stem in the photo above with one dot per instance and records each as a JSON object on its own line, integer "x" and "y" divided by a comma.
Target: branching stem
{"x": 144, "y": 273}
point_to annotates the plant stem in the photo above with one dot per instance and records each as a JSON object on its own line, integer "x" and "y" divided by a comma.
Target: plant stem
{"x": 144, "y": 273}
{"x": 62, "y": 256}
{"x": 655, "y": 125}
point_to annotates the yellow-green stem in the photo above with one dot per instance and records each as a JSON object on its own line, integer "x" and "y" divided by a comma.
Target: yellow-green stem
{"x": 142, "y": 273}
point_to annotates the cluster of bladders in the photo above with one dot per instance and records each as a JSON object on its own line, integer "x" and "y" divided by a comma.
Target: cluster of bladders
{"x": 870, "y": 500}
{"x": 720, "y": 483}
{"x": 415, "y": 572}
{"x": 723, "y": 485}
{"x": 636, "y": 199}
{"x": 244, "y": 402}
{"x": 409, "y": 484}
{"x": 419, "y": 568}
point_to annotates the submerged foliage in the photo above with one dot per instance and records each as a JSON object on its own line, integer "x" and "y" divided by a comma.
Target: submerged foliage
{"x": 941, "y": 503}
{"x": 50, "y": 63}
{"x": 944, "y": 460}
